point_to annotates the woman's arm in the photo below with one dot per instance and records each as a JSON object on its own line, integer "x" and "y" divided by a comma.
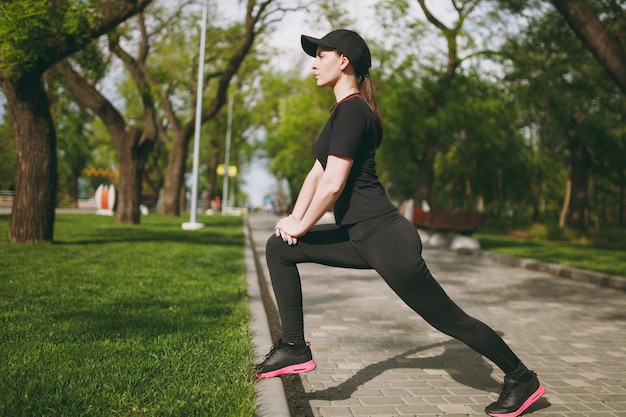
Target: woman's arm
{"x": 327, "y": 188}
{"x": 307, "y": 190}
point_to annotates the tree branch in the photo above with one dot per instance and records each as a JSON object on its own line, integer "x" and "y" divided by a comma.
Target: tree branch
{"x": 140, "y": 75}
{"x": 90, "y": 97}
{"x": 113, "y": 12}
{"x": 606, "y": 47}
{"x": 431, "y": 18}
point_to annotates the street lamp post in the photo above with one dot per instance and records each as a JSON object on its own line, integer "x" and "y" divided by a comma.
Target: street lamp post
{"x": 193, "y": 224}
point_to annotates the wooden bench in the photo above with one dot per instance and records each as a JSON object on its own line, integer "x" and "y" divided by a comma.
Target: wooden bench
{"x": 463, "y": 222}
{"x": 442, "y": 223}
{"x": 149, "y": 199}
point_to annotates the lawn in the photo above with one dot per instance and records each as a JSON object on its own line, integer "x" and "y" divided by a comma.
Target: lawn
{"x": 119, "y": 320}
{"x": 583, "y": 256}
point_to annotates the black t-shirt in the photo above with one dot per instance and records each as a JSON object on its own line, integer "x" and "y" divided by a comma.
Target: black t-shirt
{"x": 351, "y": 132}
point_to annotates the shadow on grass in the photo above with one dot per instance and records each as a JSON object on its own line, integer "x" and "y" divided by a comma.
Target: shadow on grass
{"x": 147, "y": 318}
{"x": 90, "y": 229}
{"x": 144, "y": 235}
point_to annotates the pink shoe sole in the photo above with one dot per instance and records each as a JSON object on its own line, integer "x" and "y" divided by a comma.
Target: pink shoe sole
{"x": 536, "y": 395}
{"x": 287, "y": 370}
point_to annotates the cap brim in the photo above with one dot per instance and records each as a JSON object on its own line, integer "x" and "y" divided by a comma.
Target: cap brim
{"x": 310, "y": 44}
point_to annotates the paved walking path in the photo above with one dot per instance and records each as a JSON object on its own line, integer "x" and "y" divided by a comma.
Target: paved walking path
{"x": 376, "y": 357}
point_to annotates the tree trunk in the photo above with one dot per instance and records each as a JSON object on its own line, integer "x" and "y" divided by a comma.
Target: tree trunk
{"x": 131, "y": 155}
{"x": 622, "y": 197}
{"x": 72, "y": 189}
{"x": 535, "y": 194}
{"x": 174, "y": 176}
{"x": 212, "y": 176}
{"x": 182, "y": 199}
{"x": 212, "y": 183}
{"x": 566, "y": 200}
{"x": 33, "y": 213}
{"x": 426, "y": 175}
{"x": 580, "y": 164}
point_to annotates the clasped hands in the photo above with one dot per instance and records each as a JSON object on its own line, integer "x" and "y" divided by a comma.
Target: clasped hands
{"x": 289, "y": 229}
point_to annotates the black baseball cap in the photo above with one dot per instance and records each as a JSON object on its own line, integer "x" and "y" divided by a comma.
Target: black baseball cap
{"x": 346, "y": 42}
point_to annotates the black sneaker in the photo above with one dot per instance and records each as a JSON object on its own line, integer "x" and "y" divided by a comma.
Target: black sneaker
{"x": 285, "y": 359}
{"x": 516, "y": 396}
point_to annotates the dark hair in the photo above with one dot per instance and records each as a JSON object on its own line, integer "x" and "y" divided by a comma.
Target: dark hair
{"x": 366, "y": 88}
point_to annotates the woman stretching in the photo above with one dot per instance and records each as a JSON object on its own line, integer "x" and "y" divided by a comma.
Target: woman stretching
{"x": 370, "y": 233}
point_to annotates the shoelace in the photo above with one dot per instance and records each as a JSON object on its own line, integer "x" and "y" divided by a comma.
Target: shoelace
{"x": 507, "y": 390}
{"x": 273, "y": 350}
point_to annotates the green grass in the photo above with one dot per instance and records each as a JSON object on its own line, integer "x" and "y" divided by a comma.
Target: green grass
{"x": 118, "y": 320}
{"x": 584, "y": 256}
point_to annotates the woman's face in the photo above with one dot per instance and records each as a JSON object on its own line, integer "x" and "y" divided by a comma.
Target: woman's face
{"x": 327, "y": 67}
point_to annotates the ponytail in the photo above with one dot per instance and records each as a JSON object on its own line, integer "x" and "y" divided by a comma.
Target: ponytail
{"x": 366, "y": 88}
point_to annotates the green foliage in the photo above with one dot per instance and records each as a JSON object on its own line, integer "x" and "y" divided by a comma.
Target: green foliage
{"x": 332, "y": 13}
{"x": 19, "y": 19}
{"x": 404, "y": 110}
{"x": 93, "y": 62}
{"x": 475, "y": 128}
{"x": 30, "y": 28}
{"x": 557, "y": 84}
{"x": 126, "y": 320}
{"x": 488, "y": 152}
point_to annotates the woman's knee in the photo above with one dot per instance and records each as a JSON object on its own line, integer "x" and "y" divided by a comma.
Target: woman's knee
{"x": 274, "y": 246}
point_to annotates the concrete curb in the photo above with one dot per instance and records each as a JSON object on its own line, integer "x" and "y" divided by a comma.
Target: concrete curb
{"x": 580, "y": 275}
{"x": 271, "y": 399}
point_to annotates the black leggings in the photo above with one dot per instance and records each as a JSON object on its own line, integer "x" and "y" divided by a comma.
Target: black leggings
{"x": 390, "y": 245}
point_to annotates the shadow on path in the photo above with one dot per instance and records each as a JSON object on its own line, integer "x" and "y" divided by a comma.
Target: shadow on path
{"x": 462, "y": 364}
{"x": 477, "y": 376}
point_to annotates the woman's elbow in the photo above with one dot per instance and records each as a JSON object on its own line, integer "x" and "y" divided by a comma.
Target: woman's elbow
{"x": 334, "y": 189}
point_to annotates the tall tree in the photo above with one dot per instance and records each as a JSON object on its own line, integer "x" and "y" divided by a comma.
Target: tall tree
{"x": 425, "y": 82}
{"x": 227, "y": 50}
{"x": 34, "y": 35}
{"x": 440, "y": 90}
{"x": 133, "y": 142}
{"x": 563, "y": 90}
